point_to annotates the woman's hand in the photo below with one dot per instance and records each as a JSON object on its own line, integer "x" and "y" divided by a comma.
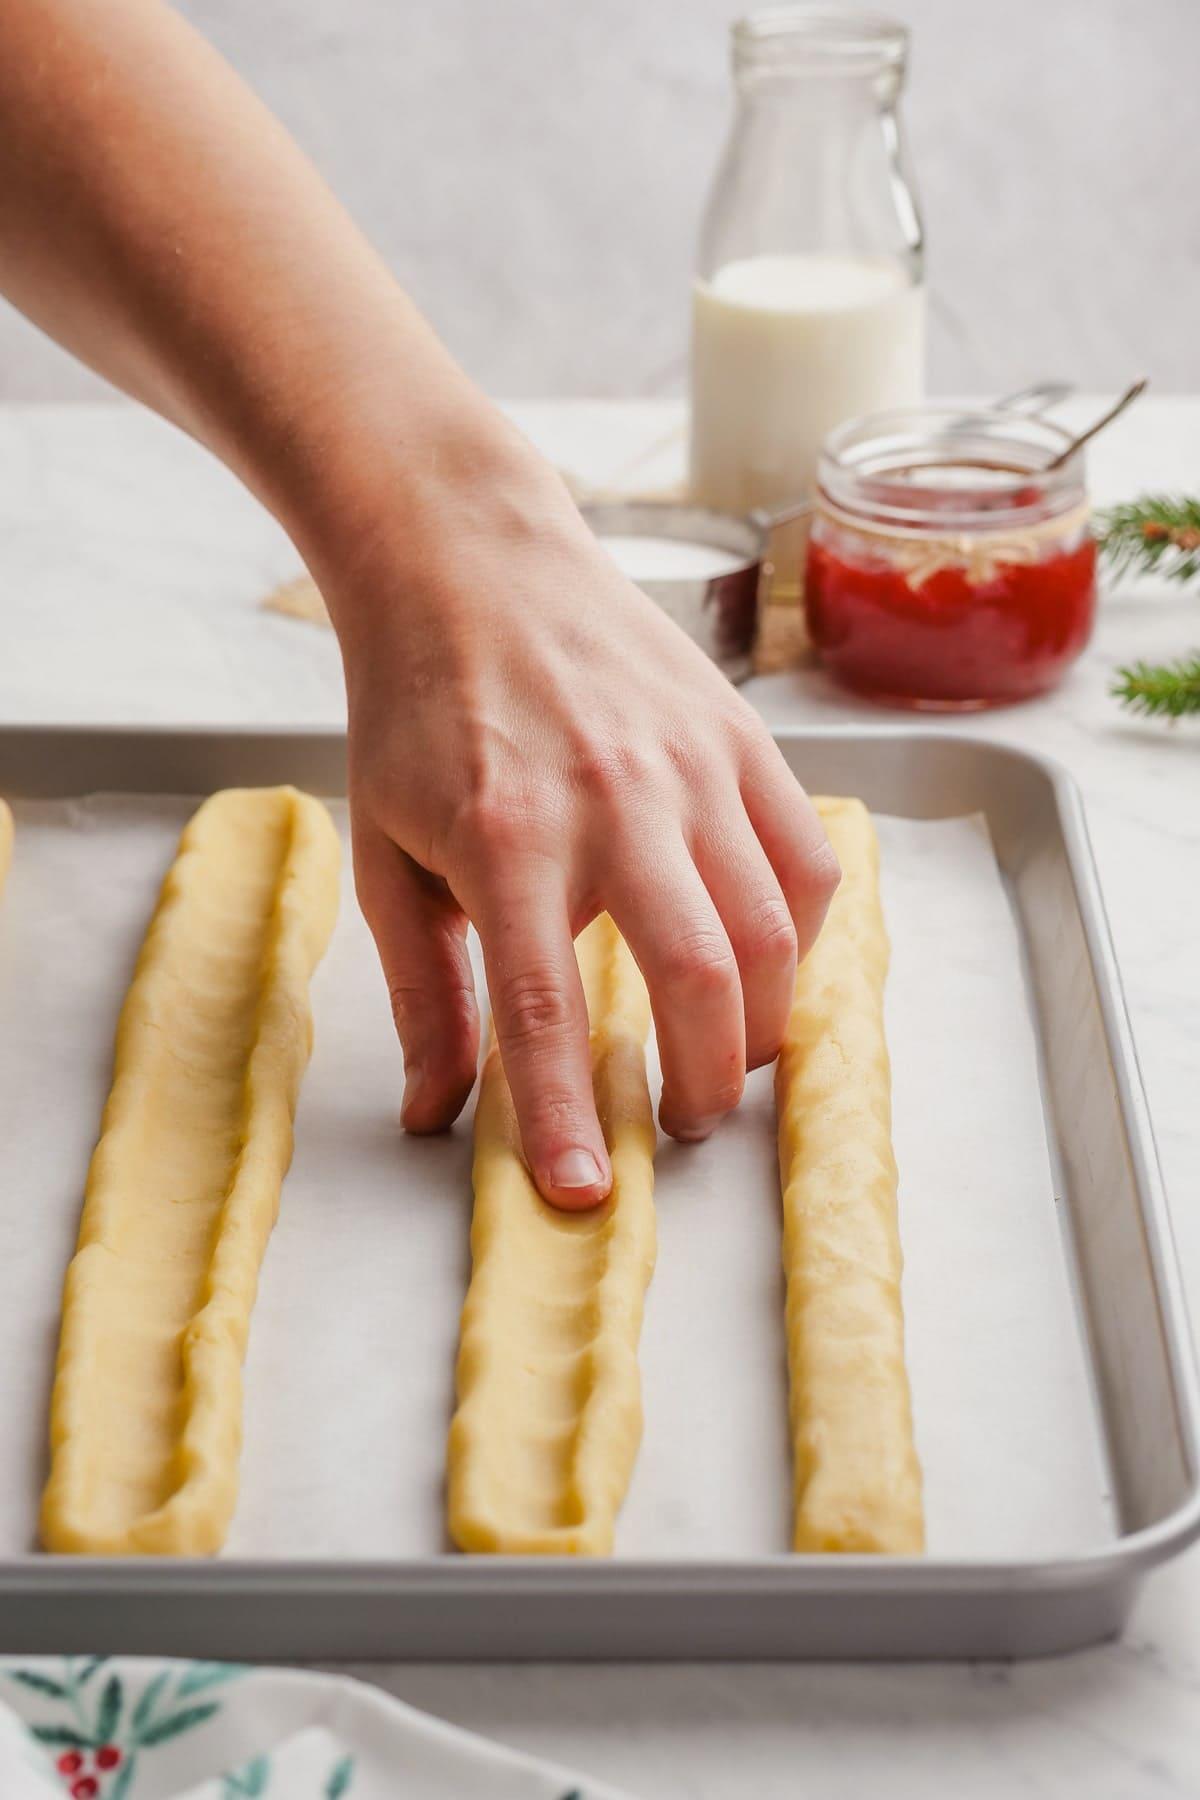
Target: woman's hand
{"x": 533, "y": 742}
{"x": 530, "y": 740}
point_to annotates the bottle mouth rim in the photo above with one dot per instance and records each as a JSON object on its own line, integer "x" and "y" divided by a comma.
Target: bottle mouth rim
{"x": 820, "y": 37}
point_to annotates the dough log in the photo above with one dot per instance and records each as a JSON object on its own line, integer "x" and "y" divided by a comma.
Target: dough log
{"x": 214, "y": 1035}
{"x": 857, "y": 1478}
{"x": 550, "y": 1416}
{"x": 6, "y": 841}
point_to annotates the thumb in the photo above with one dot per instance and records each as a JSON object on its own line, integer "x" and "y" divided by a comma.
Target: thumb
{"x": 421, "y": 935}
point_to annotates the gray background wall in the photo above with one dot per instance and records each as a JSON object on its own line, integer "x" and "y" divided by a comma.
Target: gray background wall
{"x": 534, "y": 171}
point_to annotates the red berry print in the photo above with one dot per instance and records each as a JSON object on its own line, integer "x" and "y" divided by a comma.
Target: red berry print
{"x": 69, "y": 1763}
{"x": 86, "y": 1788}
{"x": 107, "y": 1756}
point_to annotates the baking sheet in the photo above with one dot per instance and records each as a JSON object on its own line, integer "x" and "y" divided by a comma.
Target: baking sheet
{"x": 350, "y": 1370}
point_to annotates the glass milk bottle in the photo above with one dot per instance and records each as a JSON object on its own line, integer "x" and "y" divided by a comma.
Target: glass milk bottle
{"x": 808, "y": 307}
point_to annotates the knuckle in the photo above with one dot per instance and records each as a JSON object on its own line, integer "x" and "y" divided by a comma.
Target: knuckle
{"x": 406, "y": 999}
{"x": 488, "y": 820}
{"x": 824, "y": 870}
{"x": 552, "y": 1114}
{"x": 430, "y": 1010}
{"x": 700, "y": 962}
{"x": 612, "y": 772}
{"x": 499, "y": 806}
{"x": 769, "y": 935}
{"x": 748, "y": 735}
{"x": 531, "y": 1006}
{"x": 690, "y": 756}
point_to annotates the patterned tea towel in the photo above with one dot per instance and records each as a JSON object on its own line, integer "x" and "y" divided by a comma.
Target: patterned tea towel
{"x": 129, "y": 1728}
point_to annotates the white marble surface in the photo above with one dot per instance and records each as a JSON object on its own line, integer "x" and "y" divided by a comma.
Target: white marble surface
{"x": 130, "y": 569}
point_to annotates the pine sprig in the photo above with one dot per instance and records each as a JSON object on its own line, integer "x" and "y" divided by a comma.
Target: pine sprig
{"x": 1157, "y": 534}
{"x": 1164, "y": 690}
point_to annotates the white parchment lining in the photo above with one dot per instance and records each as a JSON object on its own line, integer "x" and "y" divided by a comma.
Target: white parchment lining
{"x": 350, "y": 1371}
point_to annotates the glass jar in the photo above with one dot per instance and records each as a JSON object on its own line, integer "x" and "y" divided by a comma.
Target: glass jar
{"x": 808, "y": 307}
{"x": 948, "y": 567}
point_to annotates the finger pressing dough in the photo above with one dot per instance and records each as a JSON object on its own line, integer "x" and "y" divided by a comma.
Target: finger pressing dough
{"x": 857, "y": 1478}
{"x": 550, "y": 1415}
{"x": 214, "y": 1035}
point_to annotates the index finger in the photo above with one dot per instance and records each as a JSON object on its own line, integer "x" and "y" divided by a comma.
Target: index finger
{"x": 541, "y": 1023}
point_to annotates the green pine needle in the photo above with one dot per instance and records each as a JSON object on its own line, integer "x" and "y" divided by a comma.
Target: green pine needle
{"x": 1156, "y": 534}
{"x": 1162, "y": 690}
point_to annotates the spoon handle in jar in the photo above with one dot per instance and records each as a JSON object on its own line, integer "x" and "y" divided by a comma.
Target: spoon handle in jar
{"x": 1127, "y": 398}
{"x": 768, "y": 517}
{"x": 1039, "y": 397}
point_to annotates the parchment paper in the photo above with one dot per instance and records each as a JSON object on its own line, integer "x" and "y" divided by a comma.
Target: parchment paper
{"x": 349, "y": 1378}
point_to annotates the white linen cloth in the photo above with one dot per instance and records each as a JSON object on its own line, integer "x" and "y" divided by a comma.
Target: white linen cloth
{"x": 130, "y": 1728}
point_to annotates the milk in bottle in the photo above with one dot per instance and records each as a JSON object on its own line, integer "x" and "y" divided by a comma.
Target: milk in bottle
{"x": 784, "y": 348}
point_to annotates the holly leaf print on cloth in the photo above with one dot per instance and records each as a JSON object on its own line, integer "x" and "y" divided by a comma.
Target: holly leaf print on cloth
{"x": 340, "y": 1777}
{"x": 60, "y": 1734}
{"x": 111, "y": 1702}
{"x": 248, "y": 1781}
{"x": 41, "y": 1684}
{"x": 129, "y": 1728}
{"x": 143, "y": 1712}
{"x": 124, "y": 1781}
{"x": 177, "y": 1723}
{"x": 202, "y": 1675}
{"x": 99, "y": 1743}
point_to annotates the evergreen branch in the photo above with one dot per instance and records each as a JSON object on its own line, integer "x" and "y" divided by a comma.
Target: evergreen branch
{"x": 1157, "y": 534}
{"x": 1160, "y": 690}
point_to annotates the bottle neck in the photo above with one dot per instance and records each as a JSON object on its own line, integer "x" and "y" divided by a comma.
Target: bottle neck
{"x": 825, "y": 117}
{"x": 817, "y": 164}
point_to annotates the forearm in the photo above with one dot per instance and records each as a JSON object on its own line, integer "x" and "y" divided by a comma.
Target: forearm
{"x": 160, "y": 223}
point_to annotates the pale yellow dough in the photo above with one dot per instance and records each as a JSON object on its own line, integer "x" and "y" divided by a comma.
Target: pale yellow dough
{"x": 550, "y": 1415}
{"x": 214, "y": 1035}
{"x": 857, "y": 1478}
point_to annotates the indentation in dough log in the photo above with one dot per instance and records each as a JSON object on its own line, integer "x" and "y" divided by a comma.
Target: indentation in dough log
{"x": 857, "y": 1478}
{"x": 184, "y": 1183}
{"x": 549, "y": 1417}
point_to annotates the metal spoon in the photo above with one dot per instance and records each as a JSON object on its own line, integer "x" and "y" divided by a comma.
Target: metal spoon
{"x": 1127, "y": 398}
{"x": 1039, "y": 397}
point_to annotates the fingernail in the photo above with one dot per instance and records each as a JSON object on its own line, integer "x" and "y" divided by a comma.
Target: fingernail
{"x": 574, "y": 1169}
{"x": 414, "y": 1081}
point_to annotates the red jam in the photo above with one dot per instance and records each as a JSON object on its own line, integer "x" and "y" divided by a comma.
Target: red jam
{"x": 964, "y": 595}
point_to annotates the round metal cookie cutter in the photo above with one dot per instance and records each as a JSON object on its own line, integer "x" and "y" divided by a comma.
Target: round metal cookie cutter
{"x": 718, "y": 612}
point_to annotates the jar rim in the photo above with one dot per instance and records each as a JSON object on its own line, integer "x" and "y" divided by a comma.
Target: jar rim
{"x": 824, "y": 38}
{"x": 886, "y": 466}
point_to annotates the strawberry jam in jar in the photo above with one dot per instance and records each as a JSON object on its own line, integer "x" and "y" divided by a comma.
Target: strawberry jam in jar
{"x": 949, "y": 567}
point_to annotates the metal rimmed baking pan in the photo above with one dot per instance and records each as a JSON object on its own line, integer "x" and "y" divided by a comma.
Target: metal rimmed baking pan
{"x": 1116, "y": 1240}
